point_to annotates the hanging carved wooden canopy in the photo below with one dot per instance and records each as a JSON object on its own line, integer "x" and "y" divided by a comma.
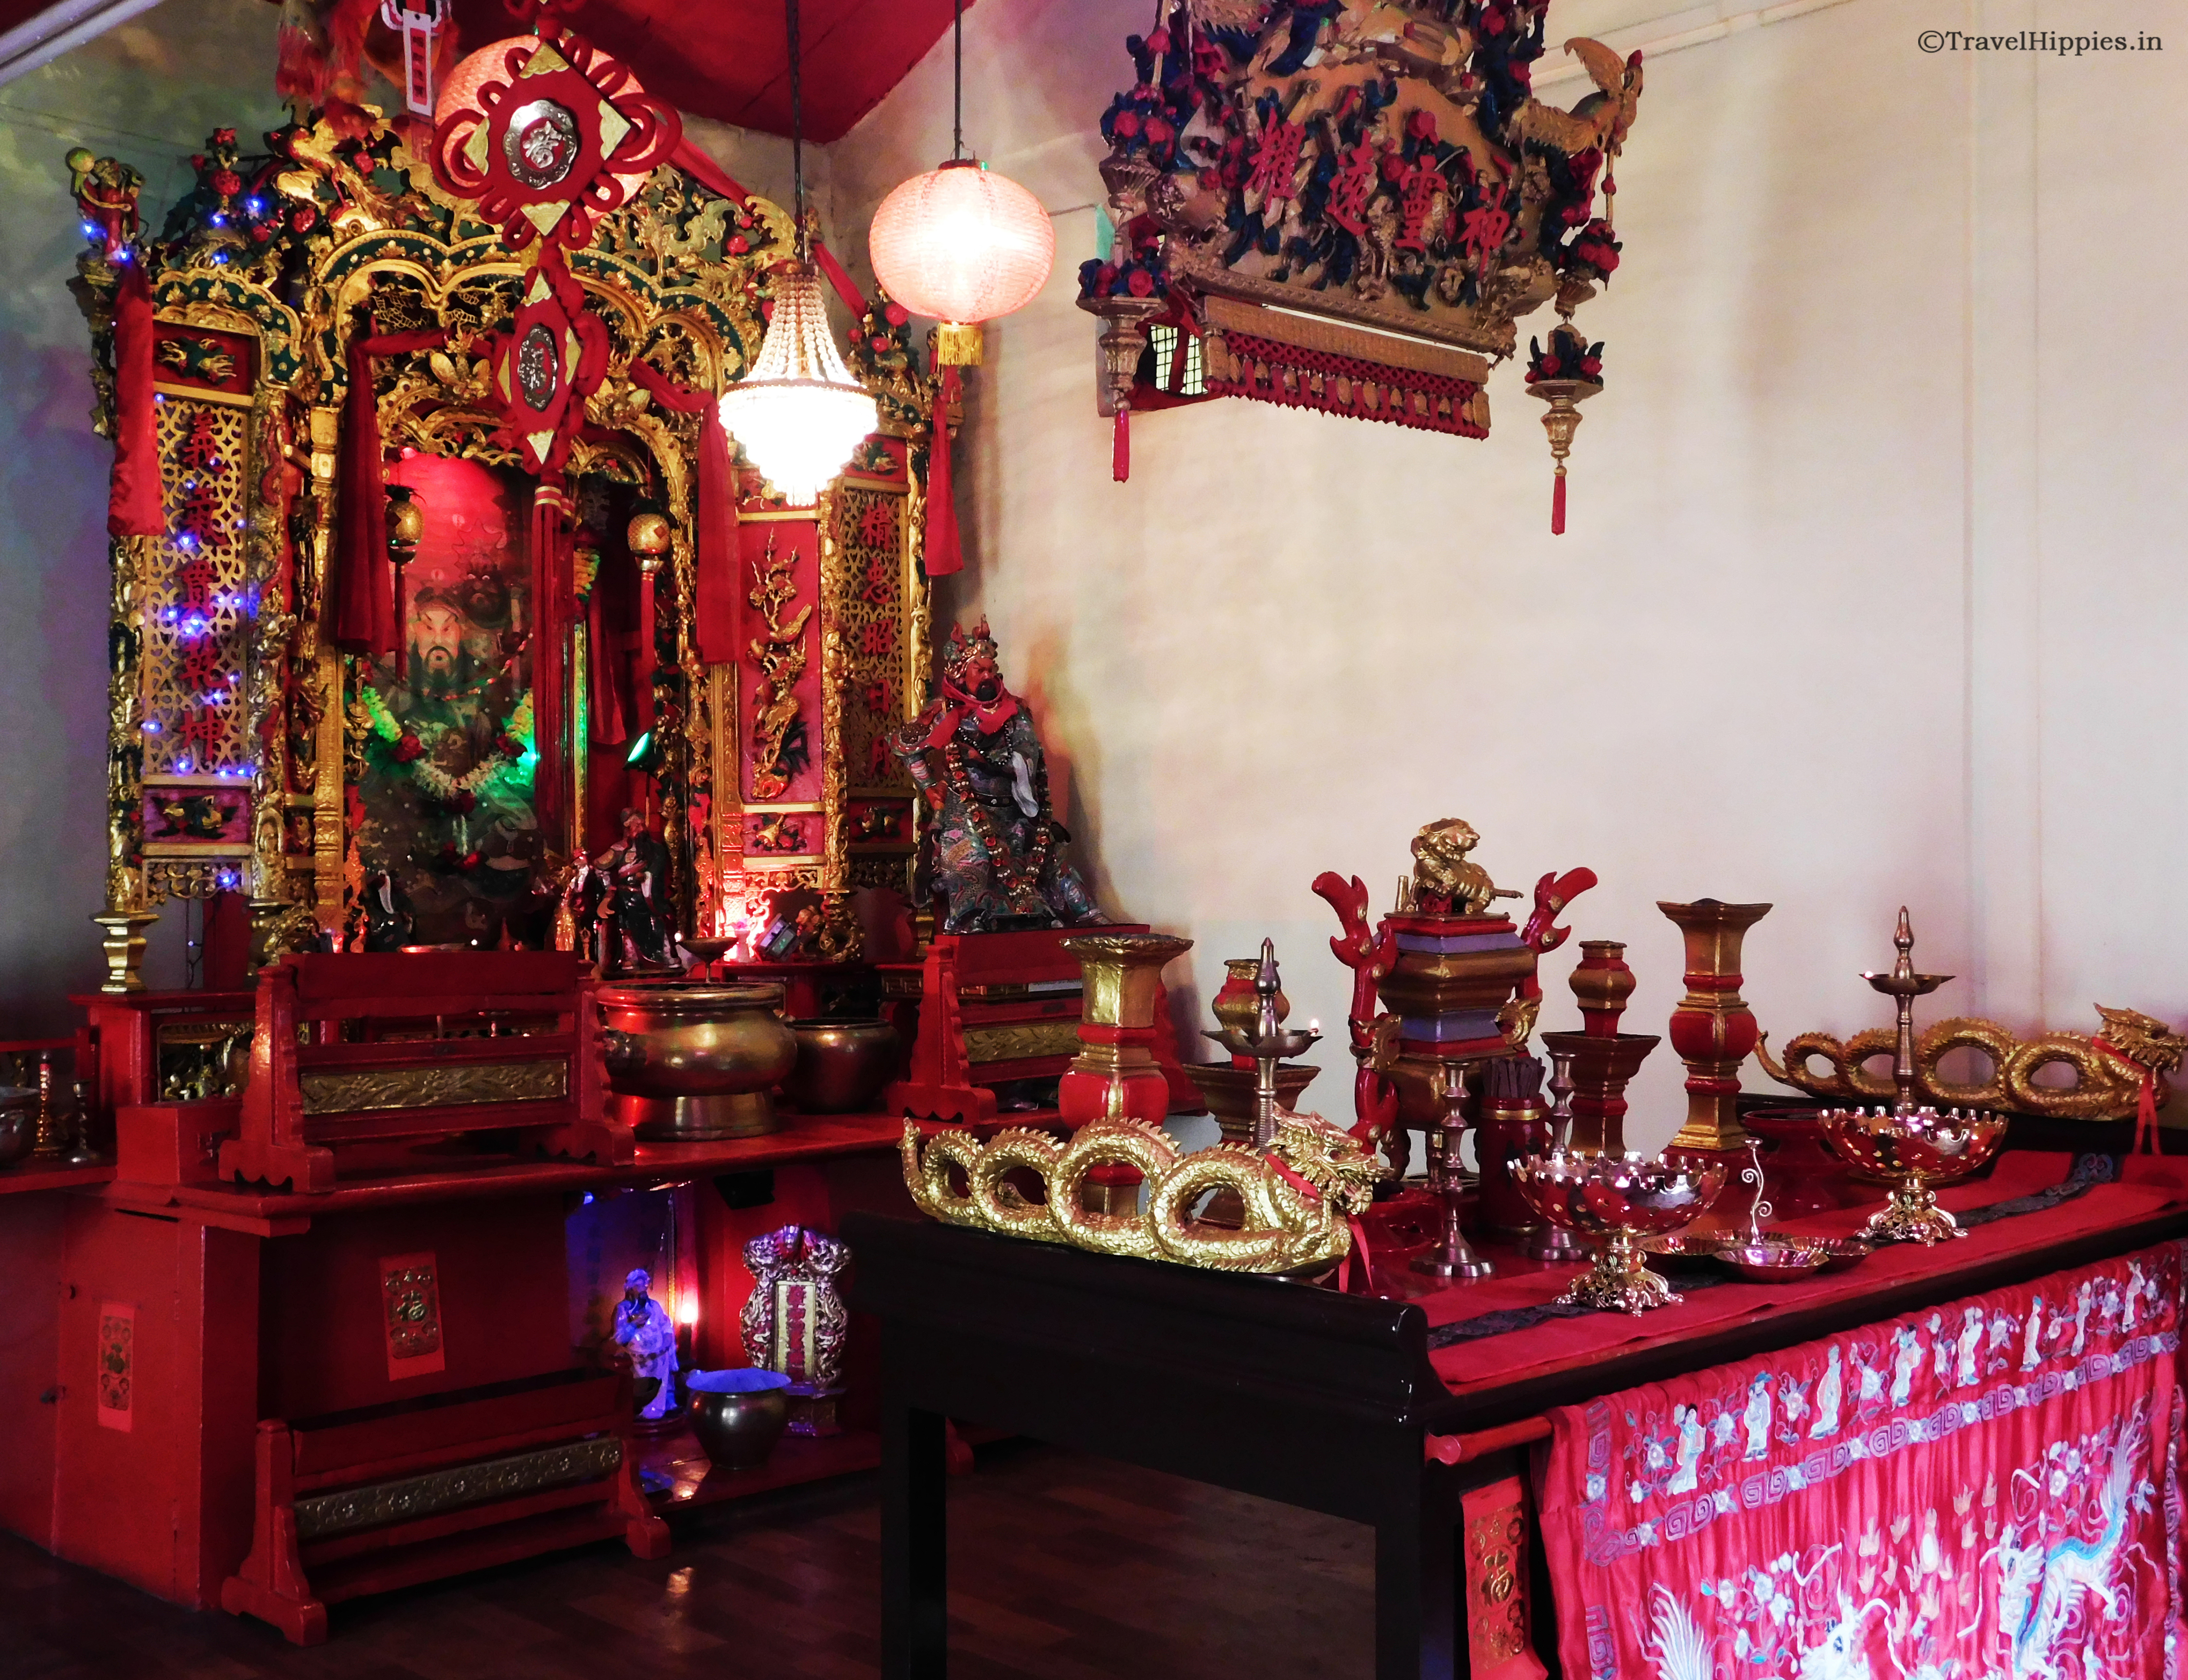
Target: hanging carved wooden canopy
{"x": 320, "y": 324}
{"x": 1348, "y": 205}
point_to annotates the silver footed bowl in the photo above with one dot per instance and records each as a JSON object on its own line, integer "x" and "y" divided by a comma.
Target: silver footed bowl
{"x": 1617, "y": 1199}
{"x": 1912, "y": 1150}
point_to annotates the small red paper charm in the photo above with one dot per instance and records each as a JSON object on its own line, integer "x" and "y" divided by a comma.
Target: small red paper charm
{"x": 555, "y": 135}
{"x": 554, "y": 357}
{"x": 410, "y": 1311}
{"x": 116, "y": 1358}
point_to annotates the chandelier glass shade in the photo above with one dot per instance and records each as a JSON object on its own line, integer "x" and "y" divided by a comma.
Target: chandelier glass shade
{"x": 798, "y": 411}
{"x": 962, "y": 244}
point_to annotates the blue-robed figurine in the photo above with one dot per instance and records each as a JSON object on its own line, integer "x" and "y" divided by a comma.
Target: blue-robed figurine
{"x": 642, "y": 1325}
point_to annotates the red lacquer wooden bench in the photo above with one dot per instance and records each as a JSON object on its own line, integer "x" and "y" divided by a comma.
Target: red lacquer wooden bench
{"x": 367, "y": 1049}
{"x": 365, "y": 1502}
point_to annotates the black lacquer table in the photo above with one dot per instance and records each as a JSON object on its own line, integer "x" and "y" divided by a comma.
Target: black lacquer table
{"x": 1319, "y": 1399}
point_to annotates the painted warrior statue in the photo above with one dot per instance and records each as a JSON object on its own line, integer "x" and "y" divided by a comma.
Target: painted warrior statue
{"x": 975, "y": 756}
{"x": 635, "y": 872}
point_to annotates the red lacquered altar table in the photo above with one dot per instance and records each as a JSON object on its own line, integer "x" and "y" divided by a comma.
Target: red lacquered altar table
{"x": 1339, "y": 1404}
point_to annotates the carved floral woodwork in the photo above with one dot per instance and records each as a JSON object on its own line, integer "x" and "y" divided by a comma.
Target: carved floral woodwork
{"x": 1292, "y": 183}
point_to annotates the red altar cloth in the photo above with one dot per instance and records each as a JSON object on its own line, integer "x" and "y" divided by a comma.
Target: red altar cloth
{"x": 2150, "y": 1185}
{"x": 1990, "y": 1487}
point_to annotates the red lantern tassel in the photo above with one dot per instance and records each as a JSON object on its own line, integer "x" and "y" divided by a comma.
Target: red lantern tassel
{"x": 1558, "y": 506}
{"x": 944, "y": 553}
{"x": 1120, "y": 446}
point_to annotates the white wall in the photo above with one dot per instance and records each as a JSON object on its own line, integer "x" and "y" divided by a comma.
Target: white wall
{"x": 1871, "y": 586}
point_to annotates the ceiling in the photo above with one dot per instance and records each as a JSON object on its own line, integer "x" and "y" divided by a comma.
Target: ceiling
{"x": 728, "y": 59}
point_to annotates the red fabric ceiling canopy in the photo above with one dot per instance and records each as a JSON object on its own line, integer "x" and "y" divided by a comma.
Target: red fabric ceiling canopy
{"x": 727, "y": 59}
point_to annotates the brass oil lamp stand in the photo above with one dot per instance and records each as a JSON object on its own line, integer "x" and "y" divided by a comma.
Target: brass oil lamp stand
{"x": 1268, "y": 1044}
{"x": 1912, "y": 1144}
{"x": 1903, "y": 985}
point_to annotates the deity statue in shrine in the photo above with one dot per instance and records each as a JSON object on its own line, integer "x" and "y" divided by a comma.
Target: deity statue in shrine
{"x": 448, "y": 759}
{"x": 643, "y": 1328}
{"x": 976, "y": 757}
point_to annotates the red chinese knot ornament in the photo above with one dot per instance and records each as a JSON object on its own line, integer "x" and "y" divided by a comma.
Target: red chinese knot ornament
{"x": 547, "y": 135}
{"x": 554, "y": 357}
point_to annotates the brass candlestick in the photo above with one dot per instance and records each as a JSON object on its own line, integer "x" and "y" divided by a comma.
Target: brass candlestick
{"x": 1553, "y": 1242}
{"x": 1452, "y": 1259}
{"x": 52, "y": 1129}
{"x": 1268, "y": 1044}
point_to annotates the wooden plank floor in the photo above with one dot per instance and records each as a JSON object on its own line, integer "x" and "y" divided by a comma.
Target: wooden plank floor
{"x": 1062, "y": 1567}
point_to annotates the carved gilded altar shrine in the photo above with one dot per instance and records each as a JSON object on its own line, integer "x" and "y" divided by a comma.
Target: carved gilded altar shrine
{"x": 354, "y": 686}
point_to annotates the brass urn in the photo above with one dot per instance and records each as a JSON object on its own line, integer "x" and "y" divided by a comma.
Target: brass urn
{"x": 691, "y": 1063}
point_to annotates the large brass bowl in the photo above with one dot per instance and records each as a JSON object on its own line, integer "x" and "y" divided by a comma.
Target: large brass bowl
{"x": 738, "y": 1415}
{"x": 1914, "y": 1151}
{"x": 1617, "y": 1199}
{"x": 690, "y": 1062}
{"x": 842, "y": 1065}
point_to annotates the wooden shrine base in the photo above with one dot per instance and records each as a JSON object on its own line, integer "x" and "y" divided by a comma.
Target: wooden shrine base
{"x": 1136, "y": 1575}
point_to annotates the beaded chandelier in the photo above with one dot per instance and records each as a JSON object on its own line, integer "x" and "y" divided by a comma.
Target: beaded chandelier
{"x": 797, "y": 411}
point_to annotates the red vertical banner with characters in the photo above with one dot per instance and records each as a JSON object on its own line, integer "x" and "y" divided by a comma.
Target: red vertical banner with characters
{"x": 410, "y": 1313}
{"x": 1988, "y": 1488}
{"x": 1493, "y": 1528}
{"x": 115, "y": 1356}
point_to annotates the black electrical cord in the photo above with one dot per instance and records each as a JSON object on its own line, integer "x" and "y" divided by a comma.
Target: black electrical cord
{"x": 797, "y": 131}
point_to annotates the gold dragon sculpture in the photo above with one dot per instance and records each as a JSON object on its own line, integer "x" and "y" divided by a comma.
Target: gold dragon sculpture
{"x": 2108, "y": 1065}
{"x": 1299, "y": 1195}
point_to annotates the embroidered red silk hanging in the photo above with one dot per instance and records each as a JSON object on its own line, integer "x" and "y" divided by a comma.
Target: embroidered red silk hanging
{"x": 1990, "y": 1488}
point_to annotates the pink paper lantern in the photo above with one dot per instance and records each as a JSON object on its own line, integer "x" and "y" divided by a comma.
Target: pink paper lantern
{"x": 962, "y": 244}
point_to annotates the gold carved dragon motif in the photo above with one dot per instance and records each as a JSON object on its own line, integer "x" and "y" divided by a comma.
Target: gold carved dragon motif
{"x": 2108, "y": 1065}
{"x": 1299, "y": 1195}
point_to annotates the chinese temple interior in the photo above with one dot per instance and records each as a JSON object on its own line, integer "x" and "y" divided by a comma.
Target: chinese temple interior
{"x": 1087, "y": 838}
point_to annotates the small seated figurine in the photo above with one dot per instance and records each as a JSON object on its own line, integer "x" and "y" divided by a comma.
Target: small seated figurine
{"x": 976, "y": 757}
{"x": 642, "y": 1326}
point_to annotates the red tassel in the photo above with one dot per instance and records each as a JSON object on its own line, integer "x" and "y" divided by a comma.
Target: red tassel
{"x": 1558, "y": 506}
{"x": 363, "y": 585}
{"x": 1120, "y": 446}
{"x": 944, "y": 553}
{"x": 133, "y": 506}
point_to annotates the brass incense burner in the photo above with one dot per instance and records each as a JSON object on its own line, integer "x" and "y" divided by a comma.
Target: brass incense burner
{"x": 1910, "y": 1144}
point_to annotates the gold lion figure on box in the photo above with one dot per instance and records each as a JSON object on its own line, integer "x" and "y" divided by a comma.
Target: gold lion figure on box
{"x": 1299, "y": 1195}
{"x": 1445, "y": 882}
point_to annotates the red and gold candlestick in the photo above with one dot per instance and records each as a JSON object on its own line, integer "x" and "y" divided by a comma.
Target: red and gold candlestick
{"x": 1602, "y": 1059}
{"x": 1712, "y": 1030}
